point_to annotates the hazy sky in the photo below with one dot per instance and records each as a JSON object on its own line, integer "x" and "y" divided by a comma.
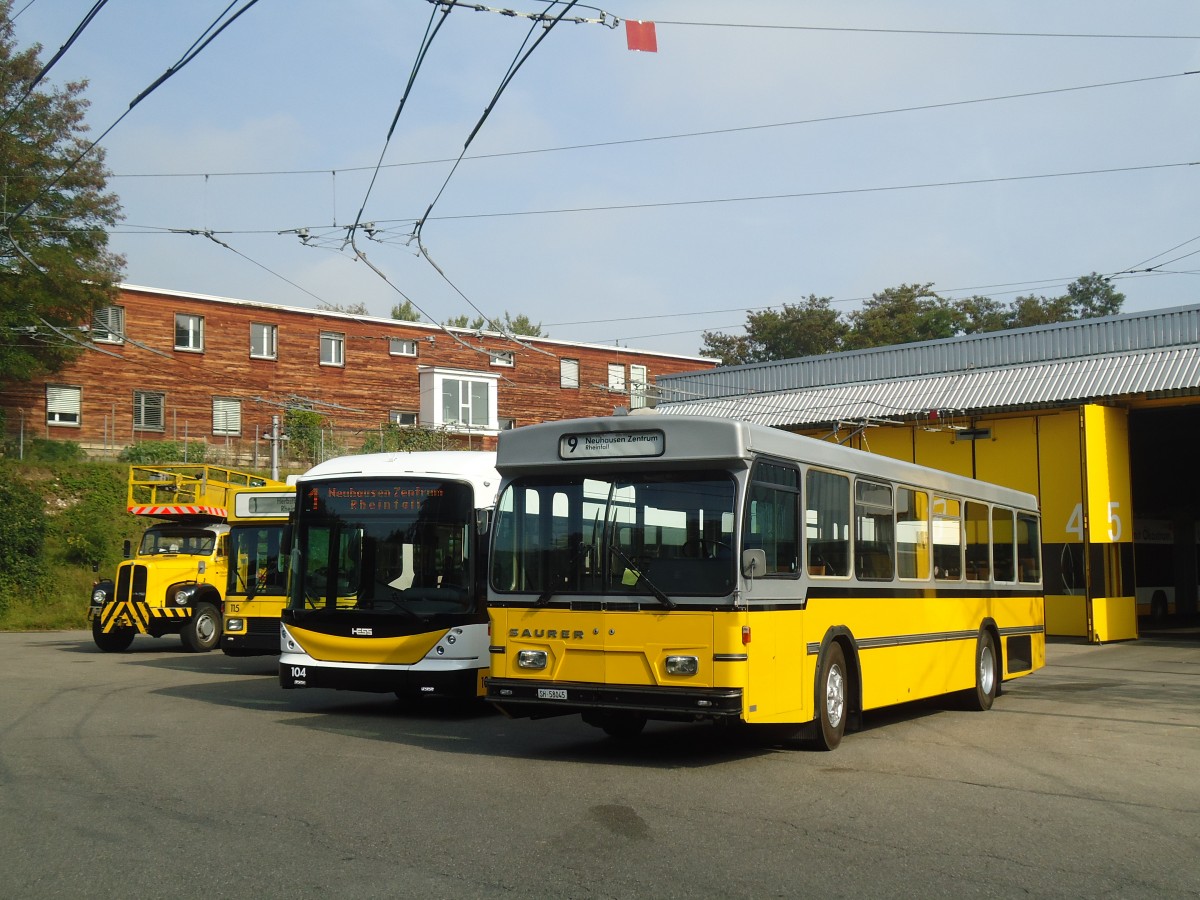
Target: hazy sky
{"x": 766, "y": 152}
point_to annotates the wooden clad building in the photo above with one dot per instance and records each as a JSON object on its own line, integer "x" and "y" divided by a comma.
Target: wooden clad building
{"x": 168, "y": 365}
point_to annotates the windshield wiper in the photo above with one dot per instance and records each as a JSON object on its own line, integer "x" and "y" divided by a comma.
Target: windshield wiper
{"x": 658, "y": 592}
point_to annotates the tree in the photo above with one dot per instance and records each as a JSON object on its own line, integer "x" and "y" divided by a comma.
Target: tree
{"x": 54, "y": 257}
{"x": 406, "y": 312}
{"x": 1092, "y": 296}
{"x": 1087, "y": 297}
{"x": 351, "y": 309}
{"x": 520, "y": 324}
{"x": 902, "y": 315}
{"x": 809, "y": 328}
{"x": 463, "y": 322}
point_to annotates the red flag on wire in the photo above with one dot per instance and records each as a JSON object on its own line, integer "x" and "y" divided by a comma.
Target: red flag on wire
{"x": 640, "y": 36}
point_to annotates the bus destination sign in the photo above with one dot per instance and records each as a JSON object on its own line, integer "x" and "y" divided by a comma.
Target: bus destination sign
{"x": 611, "y": 445}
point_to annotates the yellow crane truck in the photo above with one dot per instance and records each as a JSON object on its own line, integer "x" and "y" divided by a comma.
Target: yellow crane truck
{"x": 175, "y": 581}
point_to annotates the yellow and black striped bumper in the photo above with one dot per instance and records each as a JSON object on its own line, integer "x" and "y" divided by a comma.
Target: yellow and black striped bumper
{"x": 134, "y": 614}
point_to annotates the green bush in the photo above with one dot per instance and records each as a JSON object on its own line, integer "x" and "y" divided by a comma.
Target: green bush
{"x": 22, "y": 535}
{"x": 390, "y": 438}
{"x": 149, "y": 453}
{"x": 48, "y": 451}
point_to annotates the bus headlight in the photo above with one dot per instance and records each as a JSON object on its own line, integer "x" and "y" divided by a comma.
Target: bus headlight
{"x": 682, "y": 665}
{"x": 99, "y": 597}
{"x": 234, "y": 624}
{"x": 531, "y": 659}
{"x": 287, "y": 644}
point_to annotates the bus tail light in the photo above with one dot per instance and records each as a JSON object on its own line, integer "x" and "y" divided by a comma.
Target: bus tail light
{"x": 745, "y": 634}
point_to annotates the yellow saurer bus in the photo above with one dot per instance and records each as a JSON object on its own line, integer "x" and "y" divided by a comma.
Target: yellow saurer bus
{"x": 388, "y": 567}
{"x": 686, "y": 568}
{"x": 256, "y": 589}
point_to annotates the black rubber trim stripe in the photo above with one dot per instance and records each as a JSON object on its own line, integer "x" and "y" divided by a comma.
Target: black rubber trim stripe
{"x": 933, "y": 637}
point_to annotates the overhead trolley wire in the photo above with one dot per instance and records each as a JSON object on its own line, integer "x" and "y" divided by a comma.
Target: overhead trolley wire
{"x": 197, "y": 47}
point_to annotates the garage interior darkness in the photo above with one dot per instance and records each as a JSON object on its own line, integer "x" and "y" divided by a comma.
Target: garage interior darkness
{"x": 1166, "y": 489}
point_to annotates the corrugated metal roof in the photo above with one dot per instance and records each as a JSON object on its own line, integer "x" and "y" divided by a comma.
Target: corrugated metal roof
{"x": 1017, "y": 348}
{"x": 1170, "y": 370}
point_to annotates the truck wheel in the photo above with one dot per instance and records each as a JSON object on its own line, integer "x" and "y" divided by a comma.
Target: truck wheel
{"x": 114, "y": 641}
{"x": 203, "y": 630}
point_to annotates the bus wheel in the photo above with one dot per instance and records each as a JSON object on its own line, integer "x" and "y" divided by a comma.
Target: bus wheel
{"x": 831, "y": 699}
{"x": 114, "y": 641}
{"x": 203, "y": 630}
{"x": 1158, "y": 608}
{"x": 987, "y": 674}
{"x": 622, "y": 726}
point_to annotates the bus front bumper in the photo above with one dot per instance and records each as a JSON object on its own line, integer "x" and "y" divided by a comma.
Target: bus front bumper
{"x": 525, "y": 699}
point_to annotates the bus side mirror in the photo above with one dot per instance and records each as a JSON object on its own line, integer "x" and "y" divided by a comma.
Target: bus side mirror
{"x": 483, "y": 520}
{"x": 754, "y": 562}
{"x": 127, "y": 549}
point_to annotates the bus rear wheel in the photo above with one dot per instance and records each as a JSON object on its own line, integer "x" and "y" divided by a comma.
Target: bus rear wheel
{"x": 831, "y": 699}
{"x": 114, "y": 641}
{"x": 203, "y": 630}
{"x": 987, "y": 674}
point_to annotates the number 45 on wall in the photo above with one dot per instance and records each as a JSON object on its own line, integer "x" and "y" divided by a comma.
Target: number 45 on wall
{"x": 1075, "y": 521}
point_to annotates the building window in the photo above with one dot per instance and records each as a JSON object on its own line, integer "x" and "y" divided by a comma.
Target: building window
{"x": 616, "y": 378}
{"x": 263, "y": 340}
{"x": 458, "y": 399}
{"x": 568, "y": 373}
{"x": 402, "y": 417}
{"x": 148, "y": 410}
{"x": 402, "y": 347}
{"x": 639, "y": 387}
{"x": 227, "y": 416}
{"x": 62, "y": 405}
{"x": 502, "y": 358}
{"x": 108, "y": 325}
{"x": 333, "y": 348}
{"x": 464, "y": 402}
{"x": 189, "y": 332}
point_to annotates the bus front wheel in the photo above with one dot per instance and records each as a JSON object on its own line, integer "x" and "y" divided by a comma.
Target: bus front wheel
{"x": 831, "y": 699}
{"x": 619, "y": 725}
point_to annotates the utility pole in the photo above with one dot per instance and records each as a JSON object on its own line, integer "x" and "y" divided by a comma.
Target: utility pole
{"x": 274, "y": 437}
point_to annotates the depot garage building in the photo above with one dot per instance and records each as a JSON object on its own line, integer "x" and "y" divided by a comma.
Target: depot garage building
{"x": 1100, "y": 418}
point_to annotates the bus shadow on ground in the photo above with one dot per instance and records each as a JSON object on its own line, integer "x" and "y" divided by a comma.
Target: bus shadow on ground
{"x": 474, "y": 728}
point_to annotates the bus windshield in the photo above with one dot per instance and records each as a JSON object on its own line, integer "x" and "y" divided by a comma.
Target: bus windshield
{"x": 385, "y": 546}
{"x": 177, "y": 539}
{"x": 663, "y": 534}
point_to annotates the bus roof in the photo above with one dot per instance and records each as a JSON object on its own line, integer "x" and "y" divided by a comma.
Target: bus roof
{"x": 477, "y": 467}
{"x": 618, "y": 443}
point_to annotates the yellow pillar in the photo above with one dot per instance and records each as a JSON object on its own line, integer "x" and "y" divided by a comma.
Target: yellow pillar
{"x": 1108, "y": 524}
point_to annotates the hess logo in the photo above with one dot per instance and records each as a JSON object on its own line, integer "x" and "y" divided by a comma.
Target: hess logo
{"x": 361, "y": 632}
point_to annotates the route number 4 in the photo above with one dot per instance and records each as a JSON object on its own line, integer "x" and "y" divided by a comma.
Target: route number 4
{"x": 1075, "y": 522}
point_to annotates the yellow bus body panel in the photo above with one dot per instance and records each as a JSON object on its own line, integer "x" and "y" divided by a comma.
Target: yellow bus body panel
{"x": 406, "y": 650}
{"x": 907, "y": 648}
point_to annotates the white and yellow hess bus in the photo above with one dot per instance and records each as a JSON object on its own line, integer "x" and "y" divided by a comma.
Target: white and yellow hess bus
{"x": 386, "y": 586}
{"x": 687, "y": 568}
